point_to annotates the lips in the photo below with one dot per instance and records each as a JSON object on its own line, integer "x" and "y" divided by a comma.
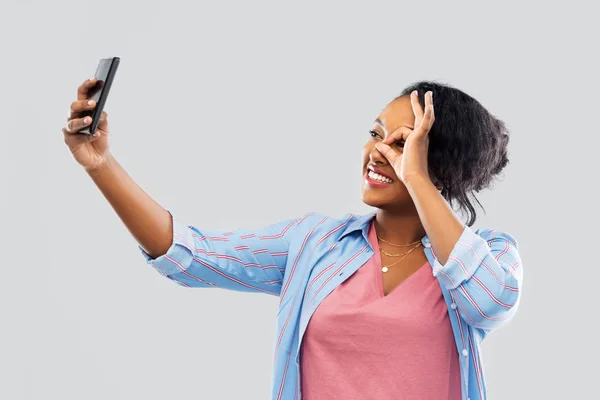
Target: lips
{"x": 380, "y": 172}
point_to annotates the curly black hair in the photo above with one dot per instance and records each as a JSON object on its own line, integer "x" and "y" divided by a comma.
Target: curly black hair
{"x": 467, "y": 145}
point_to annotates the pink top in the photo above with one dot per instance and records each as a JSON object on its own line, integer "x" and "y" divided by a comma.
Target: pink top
{"x": 360, "y": 344}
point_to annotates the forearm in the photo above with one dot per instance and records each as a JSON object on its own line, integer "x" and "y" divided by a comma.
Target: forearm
{"x": 441, "y": 224}
{"x": 147, "y": 221}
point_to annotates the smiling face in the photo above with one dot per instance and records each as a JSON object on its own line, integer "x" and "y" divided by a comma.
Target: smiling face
{"x": 381, "y": 187}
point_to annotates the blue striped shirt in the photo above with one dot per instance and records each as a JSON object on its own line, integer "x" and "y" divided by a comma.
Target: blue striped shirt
{"x": 302, "y": 260}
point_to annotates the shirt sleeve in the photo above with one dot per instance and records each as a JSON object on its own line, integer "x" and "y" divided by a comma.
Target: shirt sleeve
{"x": 484, "y": 276}
{"x": 241, "y": 260}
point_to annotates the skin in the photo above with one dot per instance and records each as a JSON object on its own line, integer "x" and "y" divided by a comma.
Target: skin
{"x": 406, "y": 210}
{"x": 411, "y": 206}
{"x": 147, "y": 221}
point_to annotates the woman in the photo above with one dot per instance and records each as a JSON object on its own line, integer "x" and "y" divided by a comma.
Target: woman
{"x": 389, "y": 305}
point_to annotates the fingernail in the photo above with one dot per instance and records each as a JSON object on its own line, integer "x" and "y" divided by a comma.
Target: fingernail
{"x": 86, "y": 120}
{"x": 90, "y": 102}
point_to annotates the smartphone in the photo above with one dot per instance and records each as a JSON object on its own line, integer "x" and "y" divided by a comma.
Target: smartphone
{"x": 105, "y": 74}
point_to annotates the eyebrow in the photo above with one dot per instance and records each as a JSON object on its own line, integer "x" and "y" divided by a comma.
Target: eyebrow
{"x": 378, "y": 122}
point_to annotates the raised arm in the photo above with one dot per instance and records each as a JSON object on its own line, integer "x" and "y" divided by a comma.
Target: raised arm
{"x": 148, "y": 222}
{"x": 244, "y": 260}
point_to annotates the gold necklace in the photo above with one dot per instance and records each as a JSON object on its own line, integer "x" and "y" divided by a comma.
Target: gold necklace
{"x": 398, "y": 245}
{"x": 386, "y": 268}
{"x": 392, "y": 255}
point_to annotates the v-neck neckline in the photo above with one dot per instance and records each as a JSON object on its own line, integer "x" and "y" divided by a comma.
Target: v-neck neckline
{"x": 378, "y": 264}
{"x": 379, "y": 278}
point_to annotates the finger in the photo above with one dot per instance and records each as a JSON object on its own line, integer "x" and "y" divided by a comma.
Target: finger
{"x": 77, "y": 124}
{"x": 387, "y": 152}
{"x": 429, "y": 98}
{"x": 426, "y": 124}
{"x": 428, "y": 117}
{"x": 416, "y": 106}
{"x": 75, "y": 138}
{"x": 399, "y": 134}
{"x": 84, "y": 88}
{"x": 431, "y": 117}
{"x": 81, "y": 105}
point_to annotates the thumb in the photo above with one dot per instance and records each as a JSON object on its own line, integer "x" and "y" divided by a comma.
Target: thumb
{"x": 387, "y": 152}
{"x": 103, "y": 122}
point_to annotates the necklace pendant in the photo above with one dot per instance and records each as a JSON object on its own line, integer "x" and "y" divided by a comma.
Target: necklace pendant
{"x": 384, "y": 269}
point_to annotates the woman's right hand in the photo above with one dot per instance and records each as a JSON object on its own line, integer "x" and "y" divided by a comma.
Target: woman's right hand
{"x": 90, "y": 151}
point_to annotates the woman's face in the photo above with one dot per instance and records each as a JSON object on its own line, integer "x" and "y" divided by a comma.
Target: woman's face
{"x": 381, "y": 187}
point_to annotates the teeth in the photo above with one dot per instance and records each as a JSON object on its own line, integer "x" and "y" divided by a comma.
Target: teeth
{"x": 375, "y": 176}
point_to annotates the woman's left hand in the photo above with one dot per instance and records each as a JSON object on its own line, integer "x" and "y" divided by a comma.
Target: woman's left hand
{"x": 411, "y": 163}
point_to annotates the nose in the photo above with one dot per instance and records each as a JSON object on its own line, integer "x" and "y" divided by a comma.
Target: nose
{"x": 376, "y": 157}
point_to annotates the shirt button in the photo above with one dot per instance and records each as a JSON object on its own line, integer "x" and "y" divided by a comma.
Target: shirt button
{"x": 453, "y": 306}
{"x": 465, "y": 352}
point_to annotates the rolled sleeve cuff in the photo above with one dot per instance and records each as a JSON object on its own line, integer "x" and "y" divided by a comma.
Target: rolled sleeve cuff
{"x": 466, "y": 256}
{"x": 180, "y": 254}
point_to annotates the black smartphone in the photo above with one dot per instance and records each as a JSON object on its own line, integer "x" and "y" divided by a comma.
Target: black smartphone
{"x": 105, "y": 74}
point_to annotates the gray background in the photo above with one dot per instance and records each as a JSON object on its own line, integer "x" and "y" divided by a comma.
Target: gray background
{"x": 240, "y": 113}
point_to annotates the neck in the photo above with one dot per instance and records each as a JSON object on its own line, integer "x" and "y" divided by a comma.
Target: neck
{"x": 399, "y": 228}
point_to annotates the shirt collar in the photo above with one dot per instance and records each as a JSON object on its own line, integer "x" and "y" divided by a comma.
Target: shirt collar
{"x": 359, "y": 223}
{"x": 362, "y": 223}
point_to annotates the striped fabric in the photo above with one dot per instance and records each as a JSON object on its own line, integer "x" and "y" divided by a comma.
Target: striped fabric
{"x": 302, "y": 260}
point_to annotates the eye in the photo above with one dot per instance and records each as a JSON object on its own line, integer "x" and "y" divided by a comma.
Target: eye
{"x": 374, "y": 134}
{"x": 400, "y": 143}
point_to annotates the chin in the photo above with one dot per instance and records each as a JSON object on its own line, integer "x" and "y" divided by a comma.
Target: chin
{"x": 375, "y": 200}
{"x": 385, "y": 201}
